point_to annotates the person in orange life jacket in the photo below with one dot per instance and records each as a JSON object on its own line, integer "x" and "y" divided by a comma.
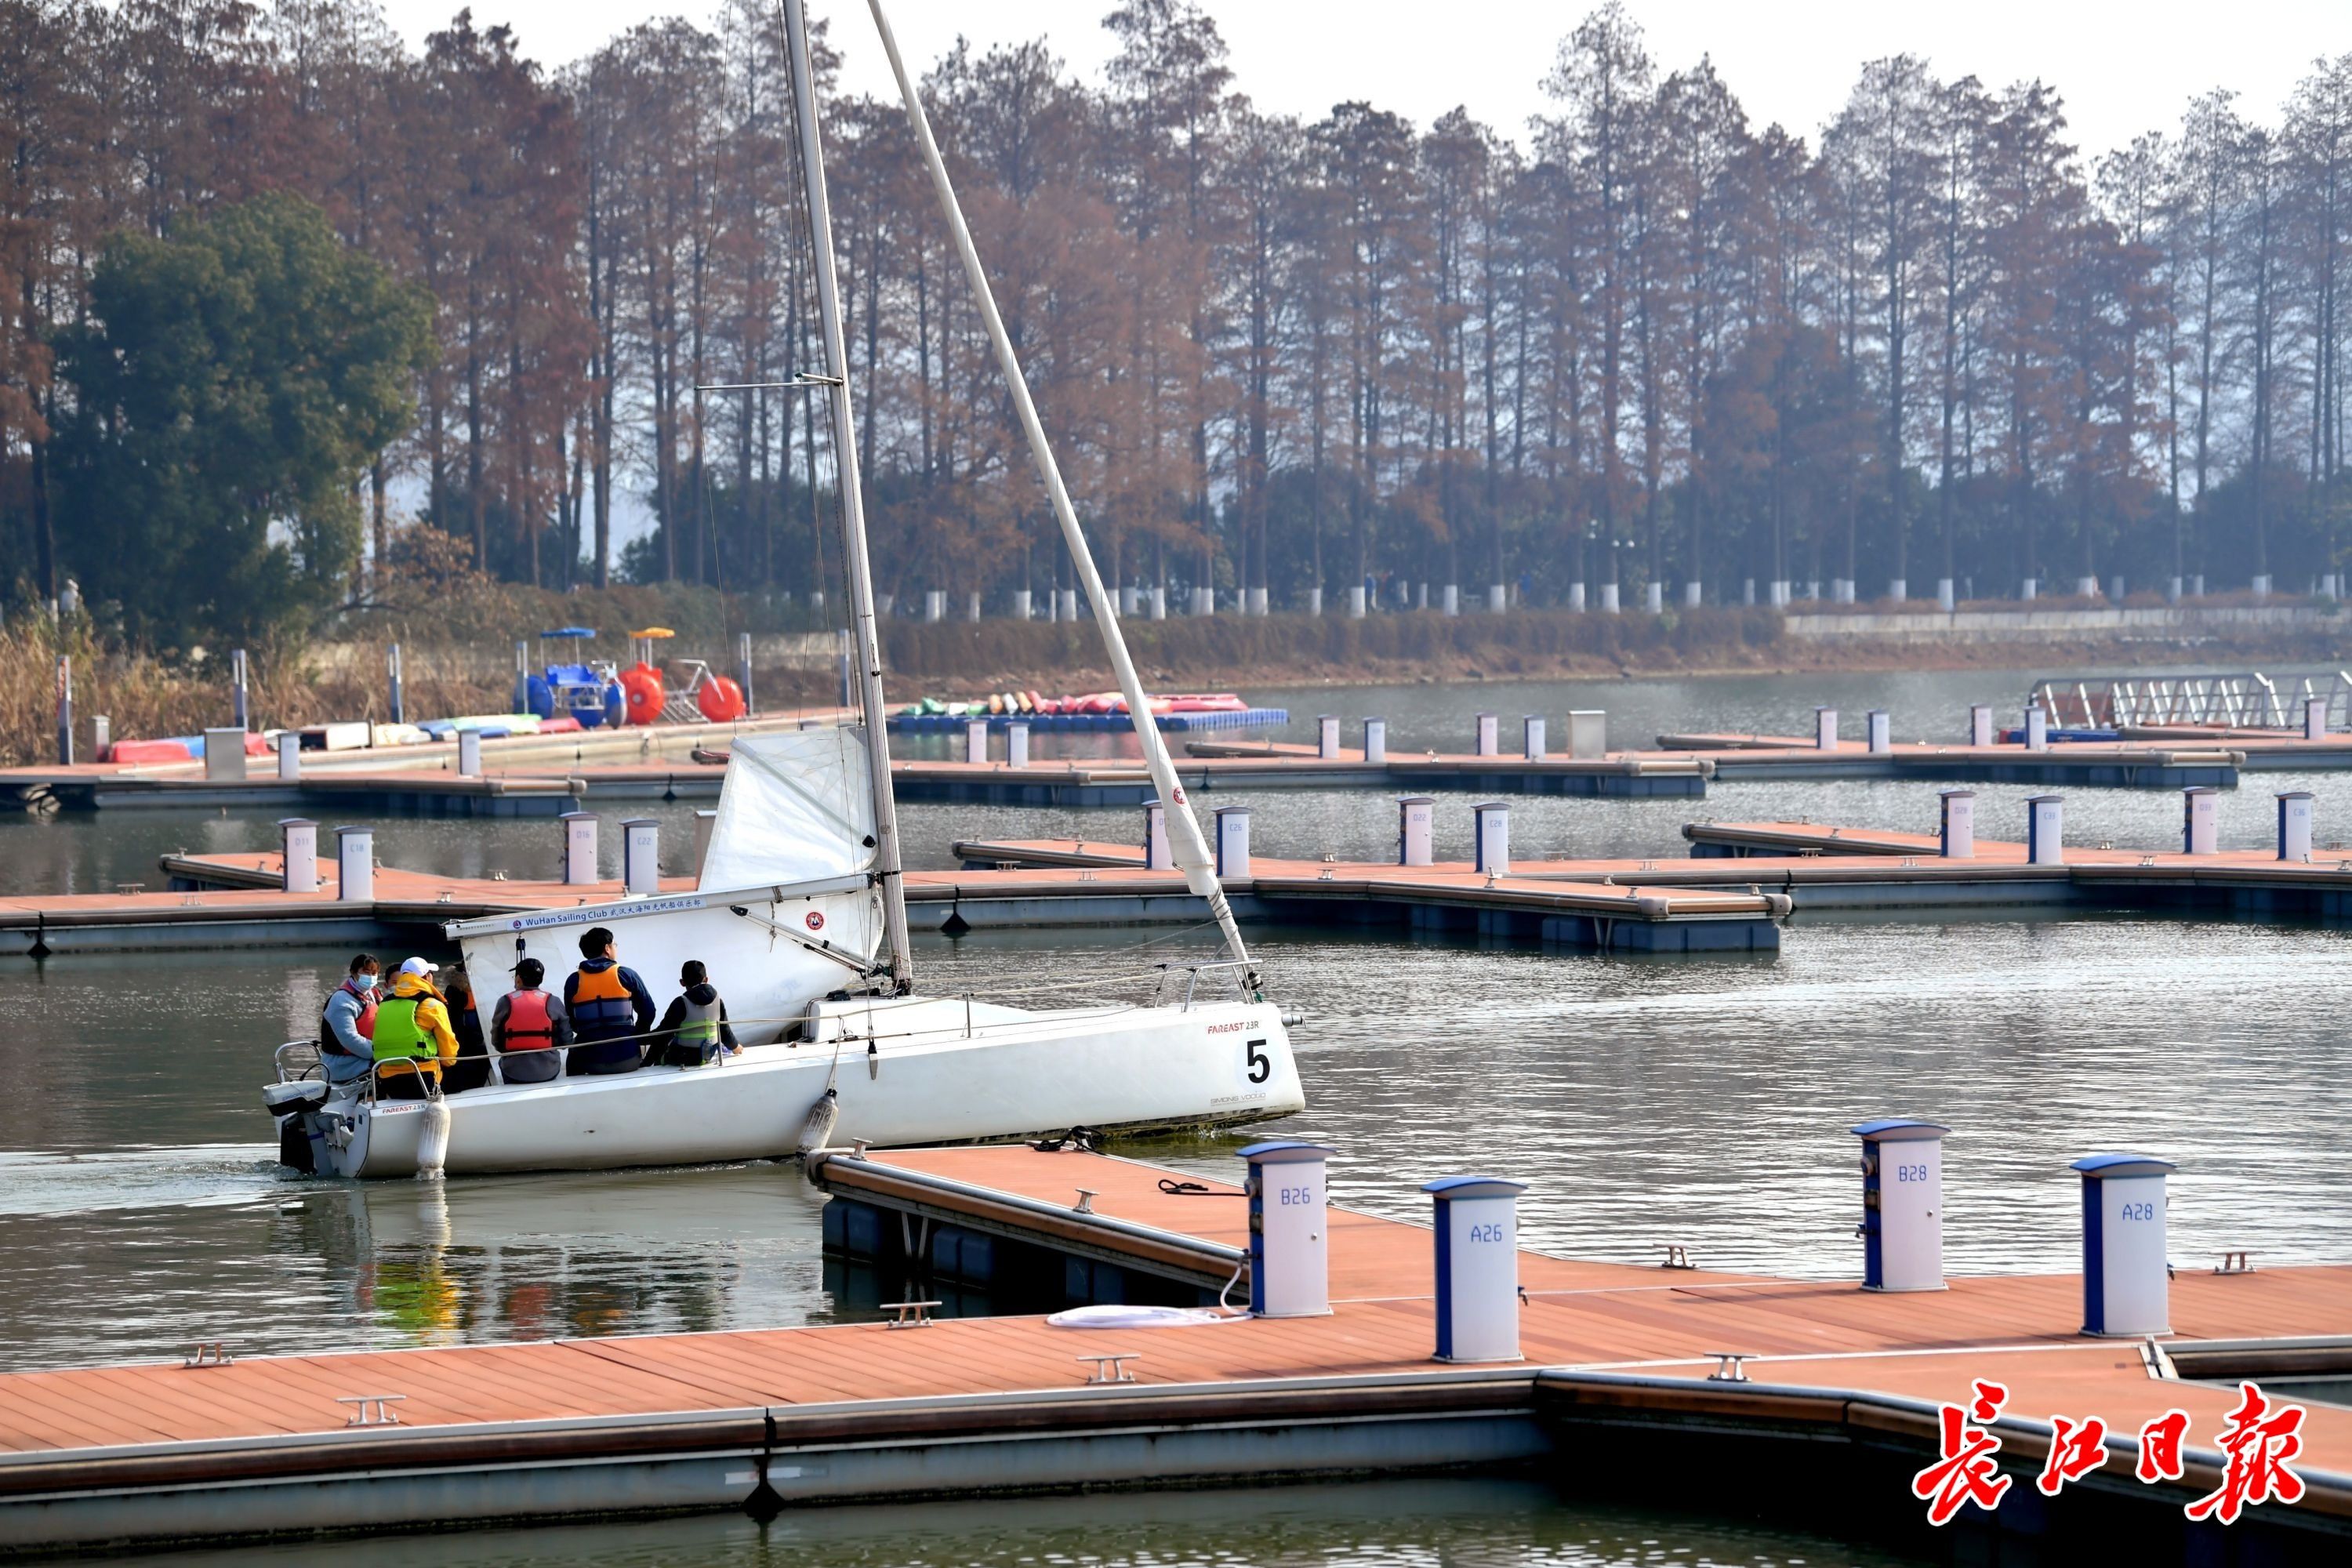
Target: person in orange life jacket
{"x": 529, "y": 1029}
{"x": 413, "y": 1039}
{"x": 694, "y": 1029}
{"x": 347, "y": 1025}
{"x": 611, "y": 1010}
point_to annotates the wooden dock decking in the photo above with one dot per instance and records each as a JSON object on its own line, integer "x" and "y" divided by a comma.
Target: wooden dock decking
{"x": 107, "y": 1448}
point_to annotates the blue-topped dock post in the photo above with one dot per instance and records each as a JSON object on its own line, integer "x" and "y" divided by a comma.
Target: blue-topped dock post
{"x": 2126, "y": 1287}
{"x": 1901, "y": 1227}
{"x": 1326, "y": 737}
{"x": 975, "y": 740}
{"x": 1233, "y": 841}
{"x": 1489, "y": 735}
{"x": 2315, "y": 718}
{"x": 1534, "y": 732}
{"x": 1016, "y": 744}
{"x": 65, "y": 709}
{"x": 355, "y": 865}
{"x": 641, "y": 856}
{"x": 289, "y": 756}
{"x": 1957, "y": 834}
{"x": 2046, "y": 830}
{"x": 1289, "y": 1235}
{"x": 1478, "y": 1241}
{"x": 298, "y": 852}
{"x": 2037, "y": 728}
{"x": 240, "y": 697}
{"x": 1493, "y": 837}
{"x": 1376, "y": 740}
{"x": 1588, "y": 734}
{"x": 1156, "y": 857}
{"x": 396, "y": 710}
{"x": 2295, "y": 825}
{"x": 1980, "y": 724}
{"x": 1825, "y": 729}
{"x": 1880, "y": 729}
{"x": 2199, "y": 812}
{"x": 1415, "y": 830}
{"x": 469, "y": 753}
{"x": 578, "y": 847}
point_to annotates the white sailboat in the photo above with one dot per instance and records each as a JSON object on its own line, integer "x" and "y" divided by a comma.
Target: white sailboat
{"x": 801, "y": 918}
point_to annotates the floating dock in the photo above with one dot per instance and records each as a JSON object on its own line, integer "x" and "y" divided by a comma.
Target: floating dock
{"x": 1625, "y": 1377}
{"x": 1090, "y": 723}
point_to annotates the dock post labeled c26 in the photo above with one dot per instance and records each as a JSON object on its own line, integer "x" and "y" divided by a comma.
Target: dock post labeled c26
{"x": 1492, "y": 823}
{"x": 1415, "y": 829}
{"x": 2126, "y": 1286}
{"x": 1956, "y": 835}
{"x": 1156, "y": 857}
{"x": 1289, "y": 1229}
{"x": 355, "y": 865}
{"x": 1902, "y": 1225}
{"x": 2046, "y": 830}
{"x": 578, "y": 847}
{"x": 2199, "y": 819}
{"x": 2295, "y": 825}
{"x": 1477, "y": 1243}
{"x": 1233, "y": 841}
{"x": 297, "y": 850}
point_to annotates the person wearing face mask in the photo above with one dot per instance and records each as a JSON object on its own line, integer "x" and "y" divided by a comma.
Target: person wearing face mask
{"x": 347, "y": 1027}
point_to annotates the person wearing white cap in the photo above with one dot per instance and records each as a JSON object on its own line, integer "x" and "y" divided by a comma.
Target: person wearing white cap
{"x": 412, "y": 1038}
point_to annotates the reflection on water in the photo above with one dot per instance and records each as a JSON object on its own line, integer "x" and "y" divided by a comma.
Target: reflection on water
{"x": 1701, "y": 1101}
{"x": 1361, "y": 1525}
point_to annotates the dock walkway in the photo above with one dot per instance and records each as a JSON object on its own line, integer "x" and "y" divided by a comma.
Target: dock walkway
{"x": 771, "y": 1418}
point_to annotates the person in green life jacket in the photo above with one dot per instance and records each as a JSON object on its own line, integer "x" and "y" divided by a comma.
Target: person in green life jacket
{"x": 694, "y": 1031}
{"x": 413, "y": 1038}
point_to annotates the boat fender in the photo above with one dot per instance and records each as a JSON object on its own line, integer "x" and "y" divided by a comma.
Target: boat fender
{"x": 817, "y": 1131}
{"x": 873, "y": 1060}
{"x": 432, "y": 1140}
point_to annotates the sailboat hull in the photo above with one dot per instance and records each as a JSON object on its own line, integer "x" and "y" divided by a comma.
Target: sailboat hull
{"x": 928, "y": 1079}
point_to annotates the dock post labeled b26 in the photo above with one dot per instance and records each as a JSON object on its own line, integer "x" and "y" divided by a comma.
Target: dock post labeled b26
{"x": 1902, "y": 1225}
{"x": 2127, "y": 1285}
{"x": 2295, "y": 825}
{"x": 1477, "y": 1242}
{"x": 1289, "y": 1234}
{"x": 1958, "y": 833}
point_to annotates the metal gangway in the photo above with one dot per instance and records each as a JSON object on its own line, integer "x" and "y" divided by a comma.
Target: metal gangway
{"x": 2244, "y": 700}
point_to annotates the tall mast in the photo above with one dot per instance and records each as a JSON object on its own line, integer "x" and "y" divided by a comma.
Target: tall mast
{"x": 1184, "y": 840}
{"x": 853, "y": 506}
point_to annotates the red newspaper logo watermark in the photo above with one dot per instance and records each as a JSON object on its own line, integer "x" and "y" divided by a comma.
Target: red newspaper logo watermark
{"x": 1965, "y": 1470}
{"x": 2258, "y": 1444}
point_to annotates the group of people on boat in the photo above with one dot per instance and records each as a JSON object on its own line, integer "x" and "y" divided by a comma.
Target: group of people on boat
{"x": 422, "y": 1036}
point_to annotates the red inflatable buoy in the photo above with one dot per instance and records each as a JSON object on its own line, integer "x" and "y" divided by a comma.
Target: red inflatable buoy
{"x": 720, "y": 699}
{"x": 641, "y": 689}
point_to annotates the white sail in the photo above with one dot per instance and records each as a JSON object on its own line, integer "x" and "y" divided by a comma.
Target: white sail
{"x": 795, "y": 807}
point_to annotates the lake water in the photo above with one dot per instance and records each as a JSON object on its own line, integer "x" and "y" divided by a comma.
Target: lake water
{"x": 1648, "y": 1100}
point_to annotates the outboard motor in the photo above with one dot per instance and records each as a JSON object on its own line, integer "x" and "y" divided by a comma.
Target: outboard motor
{"x": 293, "y": 1104}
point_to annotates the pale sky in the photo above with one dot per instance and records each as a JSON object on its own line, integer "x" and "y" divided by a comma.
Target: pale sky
{"x": 2122, "y": 68}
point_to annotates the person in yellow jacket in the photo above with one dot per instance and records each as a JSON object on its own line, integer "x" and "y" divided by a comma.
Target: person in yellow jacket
{"x": 413, "y": 1037}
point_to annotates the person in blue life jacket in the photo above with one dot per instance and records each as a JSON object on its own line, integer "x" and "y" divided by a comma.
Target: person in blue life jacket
{"x": 694, "y": 1032}
{"x": 612, "y": 1012}
{"x": 347, "y": 1023}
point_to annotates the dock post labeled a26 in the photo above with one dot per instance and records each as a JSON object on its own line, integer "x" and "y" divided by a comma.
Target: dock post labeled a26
{"x": 2126, "y": 1287}
{"x": 1956, "y": 835}
{"x": 1901, "y": 1227}
{"x": 1289, "y": 1229}
{"x": 1477, "y": 1242}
